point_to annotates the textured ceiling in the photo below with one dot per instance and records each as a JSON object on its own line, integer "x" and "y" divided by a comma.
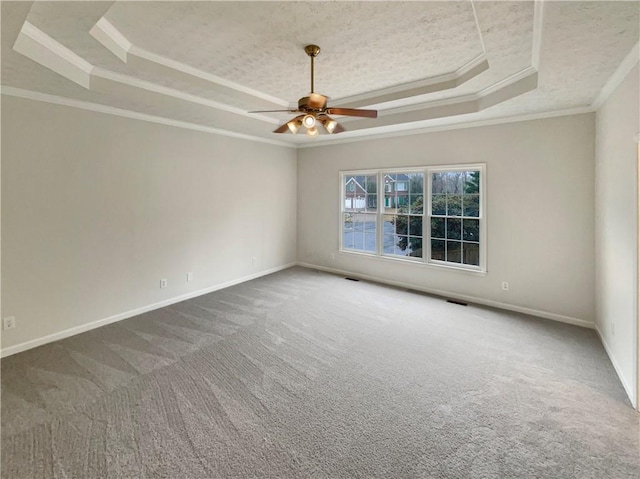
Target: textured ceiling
{"x": 208, "y": 63}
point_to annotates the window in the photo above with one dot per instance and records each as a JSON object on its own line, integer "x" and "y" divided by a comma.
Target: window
{"x": 428, "y": 215}
{"x": 454, "y": 216}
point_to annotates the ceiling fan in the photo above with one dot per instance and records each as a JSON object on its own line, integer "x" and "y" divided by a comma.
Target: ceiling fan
{"x": 314, "y": 110}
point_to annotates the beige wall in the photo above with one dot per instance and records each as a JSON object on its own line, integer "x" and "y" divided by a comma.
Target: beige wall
{"x": 540, "y": 196}
{"x": 96, "y": 209}
{"x": 617, "y": 127}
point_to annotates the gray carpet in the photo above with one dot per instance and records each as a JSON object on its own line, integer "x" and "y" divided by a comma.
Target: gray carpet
{"x": 306, "y": 374}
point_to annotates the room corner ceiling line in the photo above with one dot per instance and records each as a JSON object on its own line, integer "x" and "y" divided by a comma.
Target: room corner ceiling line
{"x": 163, "y": 90}
{"x": 109, "y": 110}
{"x": 630, "y": 61}
{"x": 109, "y": 36}
{"x": 36, "y": 45}
{"x": 475, "y": 17}
{"x": 538, "y": 25}
{"x": 423, "y": 86}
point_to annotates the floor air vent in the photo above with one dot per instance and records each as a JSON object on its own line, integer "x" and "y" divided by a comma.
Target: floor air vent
{"x": 352, "y": 279}
{"x": 454, "y": 301}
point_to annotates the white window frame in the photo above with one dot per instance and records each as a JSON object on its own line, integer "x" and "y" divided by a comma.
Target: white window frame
{"x": 481, "y": 167}
{"x": 426, "y": 216}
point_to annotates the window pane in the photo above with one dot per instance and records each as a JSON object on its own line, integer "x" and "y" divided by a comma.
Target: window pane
{"x": 472, "y": 182}
{"x": 402, "y": 246}
{"x": 401, "y": 224}
{"x": 438, "y": 183}
{"x": 437, "y": 250}
{"x": 416, "y": 247}
{"x": 415, "y": 225}
{"x": 471, "y": 253}
{"x": 438, "y": 205}
{"x": 417, "y": 204}
{"x": 454, "y": 205}
{"x": 388, "y": 244}
{"x": 372, "y": 202}
{"x": 454, "y": 251}
{"x": 471, "y": 230}
{"x": 416, "y": 183}
{"x": 371, "y": 184}
{"x": 370, "y": 240}
{"x": 437, "y": 227}
{"x": 454, "y": 228}
{"x": 455, "y": 182}
{"x": 471, "y": 205}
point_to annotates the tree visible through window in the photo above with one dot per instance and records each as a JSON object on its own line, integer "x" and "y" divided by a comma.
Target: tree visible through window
{"x": 455, "y": 217}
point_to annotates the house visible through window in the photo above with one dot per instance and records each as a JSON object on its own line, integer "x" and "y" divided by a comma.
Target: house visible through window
{"x": 432, "y": 215}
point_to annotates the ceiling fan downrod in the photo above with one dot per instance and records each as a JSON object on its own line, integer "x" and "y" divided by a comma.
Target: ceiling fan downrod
{"x": 313, "y": 51}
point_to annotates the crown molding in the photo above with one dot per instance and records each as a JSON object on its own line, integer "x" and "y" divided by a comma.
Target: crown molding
{"x": 538, "y": 25}
{"x": 109, "y": 110}
{"x": 630, "y": 61}
{"x": 424, "y": 86}
{"x": 36, "y": 45}
{"x": 167, "y": 91}
{"x": 444, "y": 124}
{"x": 111, "y": 38}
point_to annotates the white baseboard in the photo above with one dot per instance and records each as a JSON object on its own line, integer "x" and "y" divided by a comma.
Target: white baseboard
{"x": 627, "y": 387}
{"x": 134, "y": 312}
{"x": 448, "y": 294}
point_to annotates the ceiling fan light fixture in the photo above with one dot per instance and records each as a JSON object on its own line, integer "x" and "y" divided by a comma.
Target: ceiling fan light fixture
{"x": 294, "y": 126}
{"x": 312, "y": 132}
{"x": 309, "y": 121}
{"x": 330, "y": 125}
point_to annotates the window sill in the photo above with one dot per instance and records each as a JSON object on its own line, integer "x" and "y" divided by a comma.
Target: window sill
{"x": 442, "y": 267}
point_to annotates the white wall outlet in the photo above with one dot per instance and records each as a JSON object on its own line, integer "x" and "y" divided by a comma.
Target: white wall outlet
{"x": 163, "y": 283}
{"x": 505, "y": 286}
{"x": 9, "y": 322}
{"x": 189, "y": 276}
{"x": 254, "y": 260}
{"x": 613, "y": 328}
{"x": 332, "y": 256}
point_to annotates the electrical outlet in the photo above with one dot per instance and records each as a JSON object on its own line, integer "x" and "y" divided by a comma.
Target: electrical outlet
{"x": 189, "y": 276}
{"x": 613, "y": 328}
{"x": 505, "y": 286}
{"x": 332, "y": 256}
{"x": 254, "y": 260}
{"x": 163, "y": 283}
{"x": 9, "y": 322}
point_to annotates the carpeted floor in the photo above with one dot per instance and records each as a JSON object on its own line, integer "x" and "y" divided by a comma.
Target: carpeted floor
{"x": 305, "y": 374}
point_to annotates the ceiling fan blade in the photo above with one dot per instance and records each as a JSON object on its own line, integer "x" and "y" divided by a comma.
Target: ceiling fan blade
{"x": 282, "y": 129}
{"x": 316, "y": 100}
{"x": 274, "y": 111}
{"x": 353, "y": 112}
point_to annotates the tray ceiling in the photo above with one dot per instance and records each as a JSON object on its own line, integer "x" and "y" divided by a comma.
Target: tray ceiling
{"x": 421, "y": 64}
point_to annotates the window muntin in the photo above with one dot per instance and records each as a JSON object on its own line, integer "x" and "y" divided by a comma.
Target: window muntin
{"x": 431, "y": 215}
